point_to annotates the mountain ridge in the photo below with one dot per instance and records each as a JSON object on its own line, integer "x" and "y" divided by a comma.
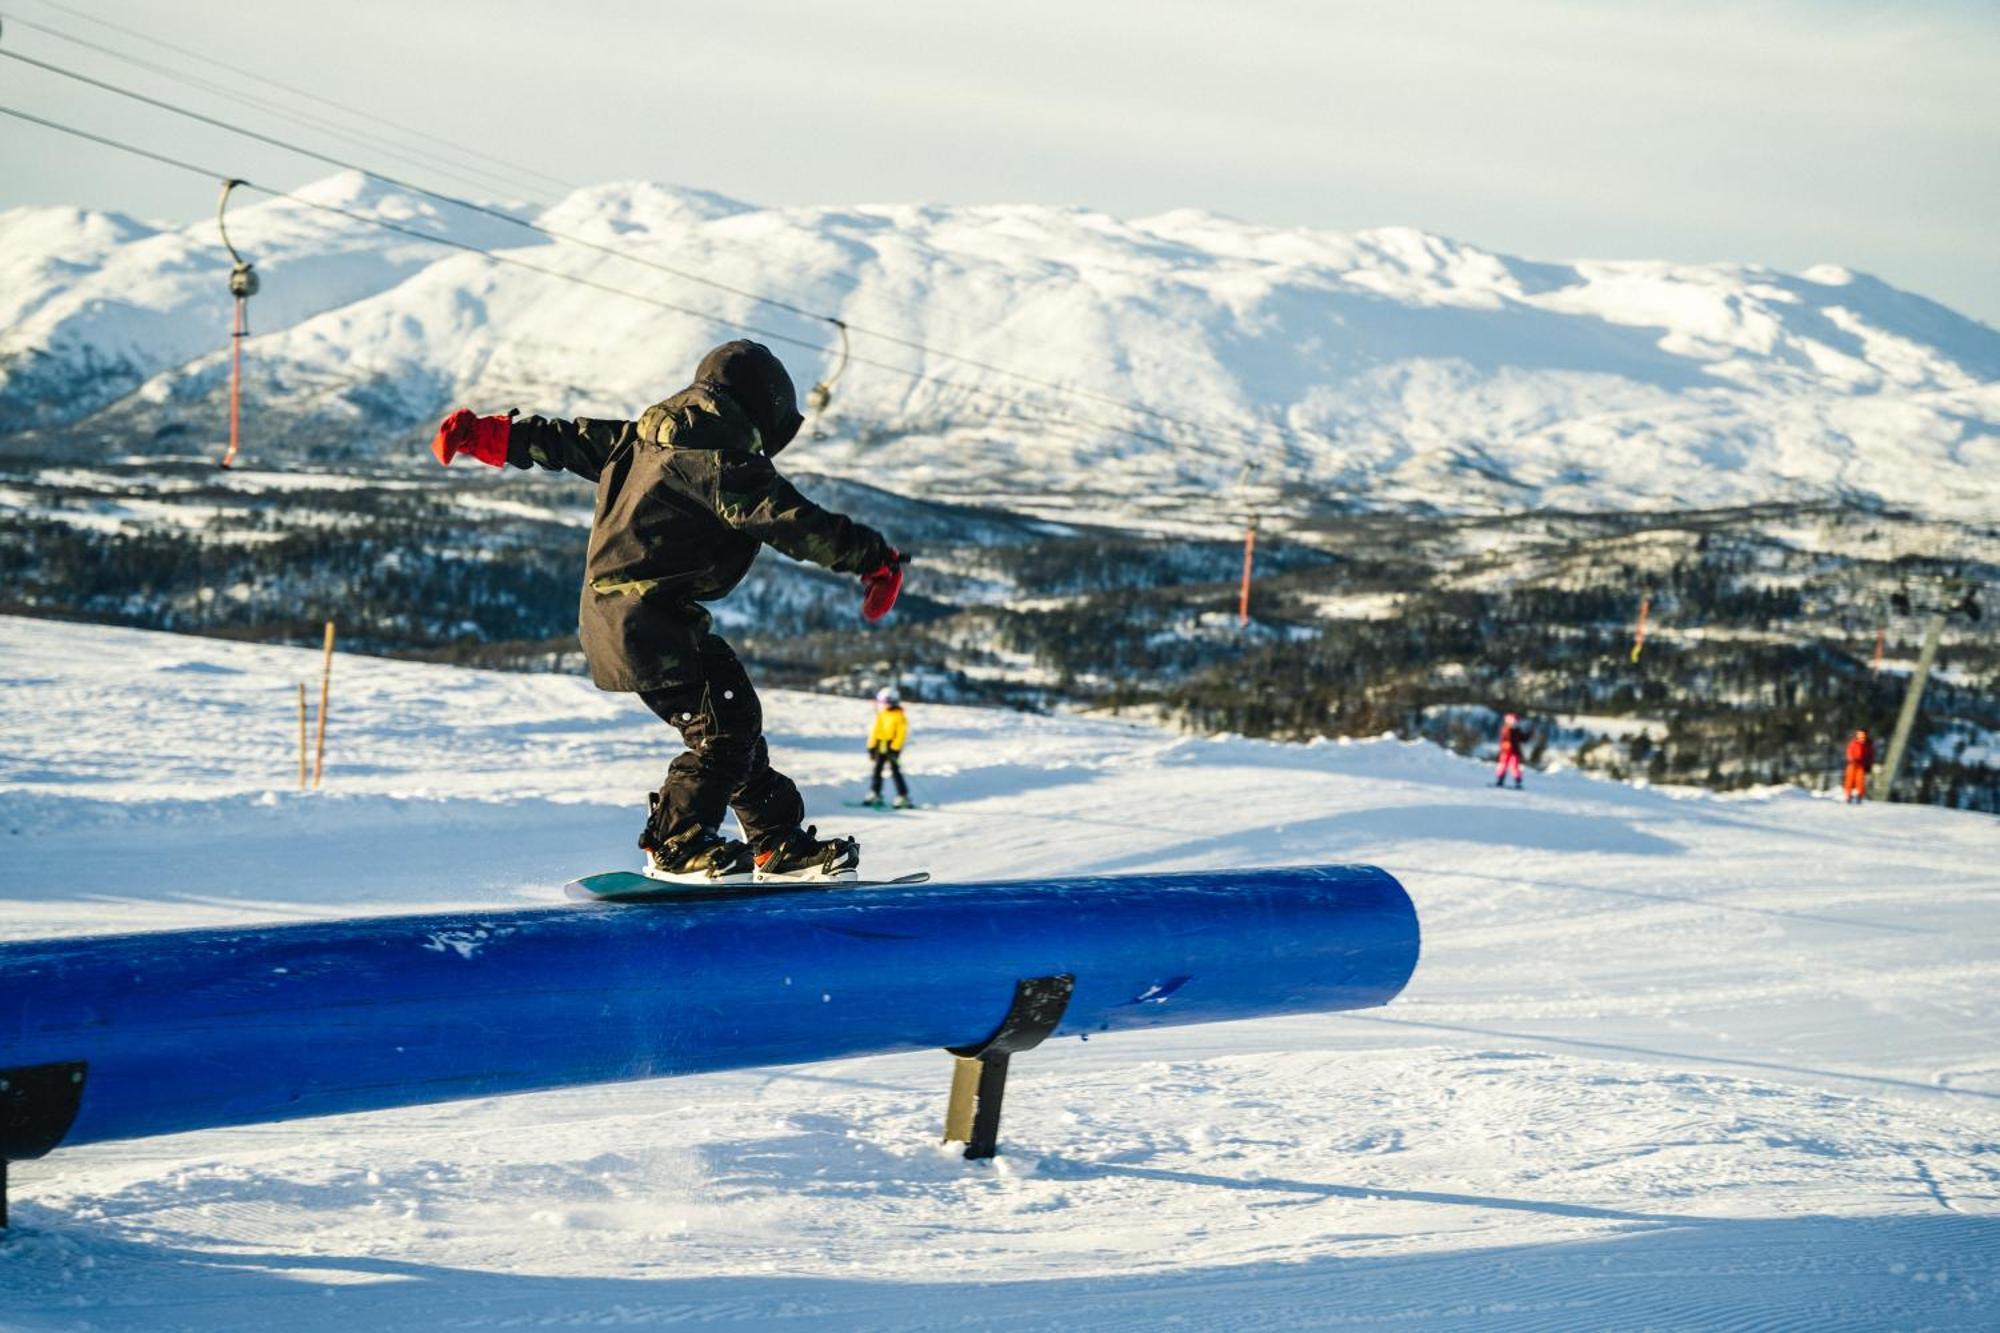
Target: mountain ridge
{"x": 1387, "y": 367}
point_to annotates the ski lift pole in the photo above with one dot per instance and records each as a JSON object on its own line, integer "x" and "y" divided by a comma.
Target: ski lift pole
{"x": 1249, "y": 561}
{"x": 1953, "y": 596}
{"x": 1251, "y": 466}
{"x": 242, "y": 286}
{"x": 1639, "y": 637}
{"x": 1885, "y": 780}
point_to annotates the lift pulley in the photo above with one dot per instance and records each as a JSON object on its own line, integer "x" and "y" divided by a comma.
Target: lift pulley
{"x": 821, "y": 394}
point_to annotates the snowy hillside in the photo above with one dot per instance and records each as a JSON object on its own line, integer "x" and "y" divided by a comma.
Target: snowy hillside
{"x": 1669, "y": 1060}
{"x": 95, "y": 304}
{"x": 1384, "y": 367}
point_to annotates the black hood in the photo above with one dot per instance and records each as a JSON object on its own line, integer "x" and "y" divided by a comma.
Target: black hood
{"x": 755, "y": 381}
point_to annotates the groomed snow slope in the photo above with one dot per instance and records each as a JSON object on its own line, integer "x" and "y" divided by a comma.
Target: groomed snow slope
{"x": 1669, "y": 1059}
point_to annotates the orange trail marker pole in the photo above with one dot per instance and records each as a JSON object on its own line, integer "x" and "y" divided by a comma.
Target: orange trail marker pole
{"x": 1639, "y": 640}
{"x": 302, "y": 735}
{"x": 325, "y": 689}
{"x": 1249, "y": 559}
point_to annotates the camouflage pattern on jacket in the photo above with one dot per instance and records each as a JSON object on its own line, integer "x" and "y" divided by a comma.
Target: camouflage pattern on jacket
{"x": 684, "y": 503}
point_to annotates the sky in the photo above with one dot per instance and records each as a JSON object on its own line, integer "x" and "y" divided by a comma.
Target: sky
{"x": 1778, "y": 132}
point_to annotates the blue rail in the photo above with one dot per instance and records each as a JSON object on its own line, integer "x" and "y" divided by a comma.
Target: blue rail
{"x": 193, "y": 1029}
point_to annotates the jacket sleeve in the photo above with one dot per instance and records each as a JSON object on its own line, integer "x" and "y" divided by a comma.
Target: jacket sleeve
{"x": 581, "y": 446}
{"x": 753, "y": 498}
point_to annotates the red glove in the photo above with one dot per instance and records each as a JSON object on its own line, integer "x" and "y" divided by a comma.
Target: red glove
{"x": 485, "y": 438}
{"x": 879, "y": 588}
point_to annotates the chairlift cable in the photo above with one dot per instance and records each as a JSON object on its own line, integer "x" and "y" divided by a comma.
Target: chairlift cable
{"x": 420, "y": 157}
{"x": 297, "y": 91}
{"x": 790, "y": 307}
{"x": 513, "y": 261}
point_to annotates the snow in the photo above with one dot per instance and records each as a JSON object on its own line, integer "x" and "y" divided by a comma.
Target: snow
{"x": 119, "y": 302}
{"x": 1670, "y": 1059}
{"x": 1354, "y": 605}
{"x": 1388, "y": 365}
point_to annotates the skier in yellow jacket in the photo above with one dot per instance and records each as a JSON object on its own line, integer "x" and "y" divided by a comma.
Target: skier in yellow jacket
{"x": 885, "y": 746}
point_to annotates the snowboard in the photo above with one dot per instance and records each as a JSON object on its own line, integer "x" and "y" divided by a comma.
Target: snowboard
{"x": 887, "y": 809}
{"x": 629, "y": 886}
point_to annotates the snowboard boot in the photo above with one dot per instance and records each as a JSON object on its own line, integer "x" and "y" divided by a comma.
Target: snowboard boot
{"x": 800, "y": 854}
{"x": 873, "y": 800}
{"x": 706, "y": 858}
{"x": 903, "y": 803}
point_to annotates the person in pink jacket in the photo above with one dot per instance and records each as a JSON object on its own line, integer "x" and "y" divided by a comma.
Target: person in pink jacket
{"x": 1513, "y": 736}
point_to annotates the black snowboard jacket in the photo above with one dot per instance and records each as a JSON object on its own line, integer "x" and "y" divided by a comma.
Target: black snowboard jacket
{"x": 684, "y": 503}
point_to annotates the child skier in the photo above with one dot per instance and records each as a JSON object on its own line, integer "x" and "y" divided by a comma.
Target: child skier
{"x": 885, "y": 746}
{"x": 1513, "y": 736}
{"x": 1860, "y": 760}
{"x": 686, "y": 497}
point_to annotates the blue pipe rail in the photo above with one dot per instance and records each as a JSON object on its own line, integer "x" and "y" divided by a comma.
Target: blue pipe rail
{"x": 181, "y": 1030}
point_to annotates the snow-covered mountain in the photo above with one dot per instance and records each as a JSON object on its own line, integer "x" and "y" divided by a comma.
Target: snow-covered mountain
{"x": 94, "y": 305}
{"x": 1383, "y": 367}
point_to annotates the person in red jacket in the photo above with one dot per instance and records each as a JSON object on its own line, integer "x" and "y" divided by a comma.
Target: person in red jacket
{"x": 1513, "y": 737}
{"x": 1860, "y": 761}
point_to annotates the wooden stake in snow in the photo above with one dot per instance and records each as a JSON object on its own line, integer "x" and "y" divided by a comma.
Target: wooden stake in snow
{"x": 302, "y": 735}
{"x": 325, "y": 689}
{"x": 1639, "y": 639}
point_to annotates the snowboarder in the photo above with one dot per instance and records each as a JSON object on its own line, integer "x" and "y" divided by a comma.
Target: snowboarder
{"x": 1860, "y": 762}
{"x": 1513, "y": 736}
{"x": 885, "y": 746}
{"x": 686, "y": 497}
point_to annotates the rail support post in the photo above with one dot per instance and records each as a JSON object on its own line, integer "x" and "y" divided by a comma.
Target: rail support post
{"x": 979, "y": 1075}
{"x": 38, "y": 1104}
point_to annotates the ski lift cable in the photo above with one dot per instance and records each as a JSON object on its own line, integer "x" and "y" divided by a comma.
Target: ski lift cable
{"x": 790, "y": 307}
{"x": 910, "y": 344}
{"x": 1032, "y": 412}
{"x": 327, "y": 127}
{"x": 513, "y": 261}
{"x": 307, "y": 93}
{"x": 420, "y": 157}
{"x": 1025, "y": 409}
{"x": 916, "y": 376}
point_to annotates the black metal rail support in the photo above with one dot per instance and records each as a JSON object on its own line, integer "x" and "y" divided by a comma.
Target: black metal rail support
{"x": 38, "y": 1104}
{"x": 979, "y": 1077}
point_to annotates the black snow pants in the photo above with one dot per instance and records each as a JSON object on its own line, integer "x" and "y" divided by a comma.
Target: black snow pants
{"x": 894, "y": 761}
{"x": 727, "y": 764}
